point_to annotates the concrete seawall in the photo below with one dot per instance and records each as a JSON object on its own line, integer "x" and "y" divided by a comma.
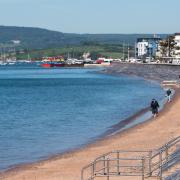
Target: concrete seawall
{"x": 158, "y": 72}
{"x": 97, "y": 65}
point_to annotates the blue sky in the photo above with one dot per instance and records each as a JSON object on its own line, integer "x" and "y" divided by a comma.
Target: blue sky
{"x": 93, "y": 16}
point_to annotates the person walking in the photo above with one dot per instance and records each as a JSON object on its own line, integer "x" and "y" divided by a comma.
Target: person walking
{"x": 154, "y": 107}
{"x": 168, "y": 93}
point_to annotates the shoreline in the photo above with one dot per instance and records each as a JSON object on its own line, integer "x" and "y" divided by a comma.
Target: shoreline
{"x": 16, "y": 172}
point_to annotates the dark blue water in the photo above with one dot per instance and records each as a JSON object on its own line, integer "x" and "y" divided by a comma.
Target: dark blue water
{"x": 48, "y": 111}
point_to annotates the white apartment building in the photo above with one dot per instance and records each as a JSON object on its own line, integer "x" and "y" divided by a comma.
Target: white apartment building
{"x": 142, "y": 48}
{"x": 147, "y": 47}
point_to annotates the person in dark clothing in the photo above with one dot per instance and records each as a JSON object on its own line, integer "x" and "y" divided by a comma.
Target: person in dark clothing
{"x": 168, "y": 92}
{"x": 154, "y": 107}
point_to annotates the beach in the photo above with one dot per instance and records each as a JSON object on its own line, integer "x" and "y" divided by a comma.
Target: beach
{"x": 146, "y": 136}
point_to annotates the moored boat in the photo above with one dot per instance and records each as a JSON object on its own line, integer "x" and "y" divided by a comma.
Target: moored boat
{"x": 49, "y": 62}
{"x": 49, "y": 65}
{"x": 59, "y": 61}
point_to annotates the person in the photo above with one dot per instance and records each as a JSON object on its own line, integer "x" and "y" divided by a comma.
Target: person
{"x": 154, "y": 107}
{"x": 168, "y": 92}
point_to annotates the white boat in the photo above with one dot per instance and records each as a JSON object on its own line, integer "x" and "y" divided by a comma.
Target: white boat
{"x": 2, "y": 63}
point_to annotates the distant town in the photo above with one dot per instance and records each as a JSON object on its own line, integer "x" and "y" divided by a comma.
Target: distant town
{"x": 145, "y": 50}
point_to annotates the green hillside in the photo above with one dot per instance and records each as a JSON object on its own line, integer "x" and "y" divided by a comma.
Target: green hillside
{"x": 38, "y": 38}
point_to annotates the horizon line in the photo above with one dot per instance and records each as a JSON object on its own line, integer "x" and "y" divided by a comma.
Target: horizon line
{"x": 82, "y": 33}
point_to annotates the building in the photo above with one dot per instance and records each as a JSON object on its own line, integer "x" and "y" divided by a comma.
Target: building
{"x": 176, "y": 51}
{"x": 147, "y": 47}
{"x": 177, "y": 46}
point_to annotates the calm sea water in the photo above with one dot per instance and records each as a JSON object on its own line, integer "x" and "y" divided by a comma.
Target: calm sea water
{"x": 48, "y": 111}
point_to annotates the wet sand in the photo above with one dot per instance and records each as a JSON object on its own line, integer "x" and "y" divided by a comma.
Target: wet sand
{"x": 148, "y": 135}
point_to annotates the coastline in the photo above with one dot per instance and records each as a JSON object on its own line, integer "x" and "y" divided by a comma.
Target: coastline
{"x": 70, "y": 161}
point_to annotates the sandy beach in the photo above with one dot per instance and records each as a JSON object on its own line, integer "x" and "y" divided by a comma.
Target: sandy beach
{"x": 146, "y": 136}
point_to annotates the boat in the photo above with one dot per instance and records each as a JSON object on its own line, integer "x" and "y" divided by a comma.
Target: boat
{"x": 3, "y": 63}
{"x": 49, "y": 62}
{"x": 52, "y": 64}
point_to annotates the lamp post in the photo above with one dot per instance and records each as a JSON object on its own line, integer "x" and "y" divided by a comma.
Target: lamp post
{"x": 128, "y": 52}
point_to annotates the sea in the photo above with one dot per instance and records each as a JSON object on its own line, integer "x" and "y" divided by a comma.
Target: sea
{"x": 44, "y": 112}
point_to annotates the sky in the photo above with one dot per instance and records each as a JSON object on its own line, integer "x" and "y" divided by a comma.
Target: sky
{"x": 93, "y": 16}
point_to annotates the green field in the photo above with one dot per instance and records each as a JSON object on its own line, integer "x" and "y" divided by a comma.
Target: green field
{"x": 105, "y": 50}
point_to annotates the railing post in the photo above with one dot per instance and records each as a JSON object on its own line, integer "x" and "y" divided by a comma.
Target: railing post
{"x": 143, "y": 163}
{"x": 118, "y": 172}
{"x": 160, "y": 165}
{"x": 104, "y": 164}
{"x": 150, "y": 163}
{"x": 108, "y": 169}
{"x": 167, "y": 154}
{"x": 92, "y": 171}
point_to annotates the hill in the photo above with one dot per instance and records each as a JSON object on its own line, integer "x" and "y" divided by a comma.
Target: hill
{"x": 38, "y": 38}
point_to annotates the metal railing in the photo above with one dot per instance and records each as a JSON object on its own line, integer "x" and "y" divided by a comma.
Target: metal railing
{"x": 117, "y": 163}
{"x": 133, "y": 163}
{"x": 165, "y": 157}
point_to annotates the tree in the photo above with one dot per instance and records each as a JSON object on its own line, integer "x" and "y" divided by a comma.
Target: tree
{"x": 167, "y": 46}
